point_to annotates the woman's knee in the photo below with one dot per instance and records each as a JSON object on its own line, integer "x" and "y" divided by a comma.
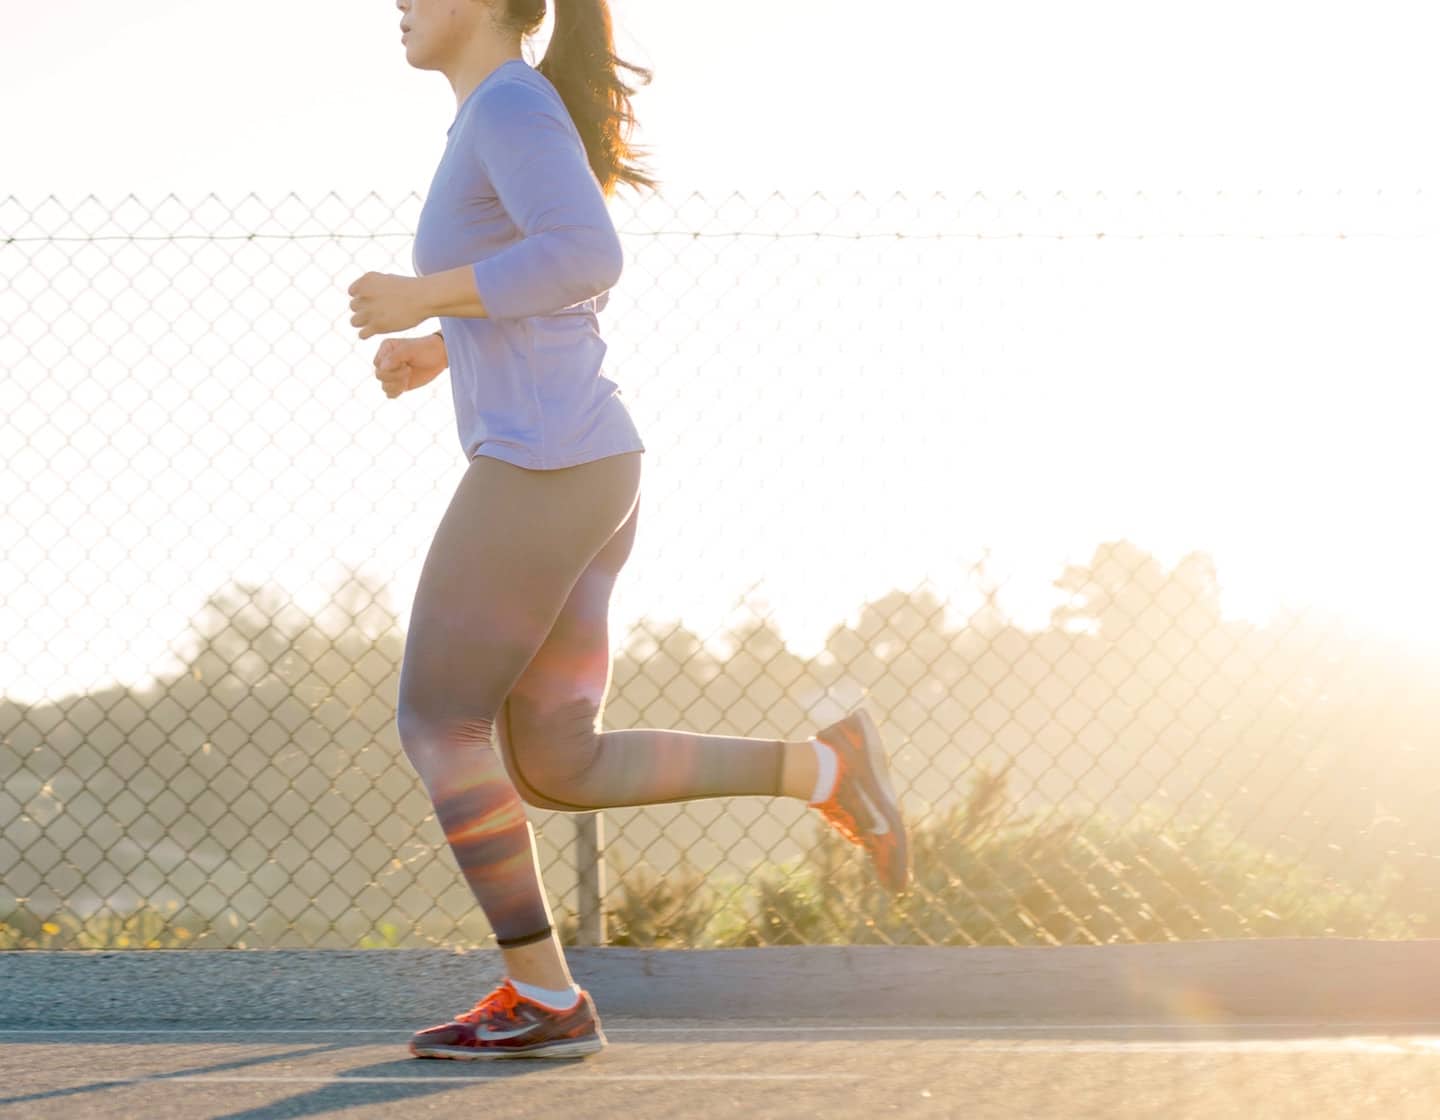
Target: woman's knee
{"x": 552, "y": 751}
{"x": 431, "y": 736}
{"x": 449, "y": 690}
{"x": 457, "y": 667}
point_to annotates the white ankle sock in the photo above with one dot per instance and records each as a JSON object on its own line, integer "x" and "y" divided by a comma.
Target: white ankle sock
{"x": 826, "y": 771}
{"x": 557, "y": 1000}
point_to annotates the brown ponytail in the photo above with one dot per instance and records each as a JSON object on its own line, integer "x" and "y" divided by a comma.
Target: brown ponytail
{"x": 581, "y": 64}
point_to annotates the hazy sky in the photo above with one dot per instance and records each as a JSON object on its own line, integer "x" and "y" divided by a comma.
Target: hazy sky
{"x": 203, "y": 95}
{"x": 1186, "y": 392}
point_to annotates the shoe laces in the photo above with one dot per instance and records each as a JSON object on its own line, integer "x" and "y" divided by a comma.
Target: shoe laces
{"x": 498, "y": 1004}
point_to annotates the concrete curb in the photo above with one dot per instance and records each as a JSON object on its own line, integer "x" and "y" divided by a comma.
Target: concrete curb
{"x": 1321, "y": 980}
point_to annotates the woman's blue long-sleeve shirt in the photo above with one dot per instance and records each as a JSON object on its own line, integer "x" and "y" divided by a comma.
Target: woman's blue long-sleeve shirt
{"x": 514, "y": 198}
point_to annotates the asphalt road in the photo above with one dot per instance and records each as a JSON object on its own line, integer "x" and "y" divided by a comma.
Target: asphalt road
{"x": 751, "y": 1069}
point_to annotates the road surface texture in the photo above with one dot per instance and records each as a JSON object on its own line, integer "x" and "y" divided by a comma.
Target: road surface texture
{"x": 1245, "y": 1029}
{"x": 676, "y": 1069}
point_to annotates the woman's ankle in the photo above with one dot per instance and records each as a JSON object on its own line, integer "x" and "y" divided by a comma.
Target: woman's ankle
{"x": 804, "y": 774}
{"x": 541, "y": 964}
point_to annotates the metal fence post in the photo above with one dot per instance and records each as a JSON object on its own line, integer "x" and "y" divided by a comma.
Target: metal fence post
{"x": 590, "y": 864}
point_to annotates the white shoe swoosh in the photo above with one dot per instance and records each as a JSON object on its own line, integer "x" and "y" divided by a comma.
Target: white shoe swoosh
{"x": 497, "y": 1035}
{"x": 879, "y": 825}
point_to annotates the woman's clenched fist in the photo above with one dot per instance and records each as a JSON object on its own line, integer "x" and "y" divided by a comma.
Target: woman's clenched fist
{"x": 408, "y": 363}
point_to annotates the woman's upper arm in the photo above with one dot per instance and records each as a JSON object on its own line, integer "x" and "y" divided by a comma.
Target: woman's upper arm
{"x": 541, "y": 175}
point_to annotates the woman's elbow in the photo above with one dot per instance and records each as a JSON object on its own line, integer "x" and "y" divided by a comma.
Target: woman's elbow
{"x": 609, "y": 262}
{"x": 586, "y": 263}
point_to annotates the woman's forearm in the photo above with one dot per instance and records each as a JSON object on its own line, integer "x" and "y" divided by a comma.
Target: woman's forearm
{"x": 451, "y": 293}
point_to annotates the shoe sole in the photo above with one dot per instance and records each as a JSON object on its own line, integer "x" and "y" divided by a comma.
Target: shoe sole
{"x": 877, "y": 771}
{"x": 562, "y": 1048}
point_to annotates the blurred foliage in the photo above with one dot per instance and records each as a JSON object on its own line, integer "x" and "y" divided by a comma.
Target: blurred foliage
{"x": 1140, "y": 768}
{"x": 143, "y": 928}
{"x": 986, "y": 874}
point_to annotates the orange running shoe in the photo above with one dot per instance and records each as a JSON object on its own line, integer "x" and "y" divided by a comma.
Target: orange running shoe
{"x": 863, "y": 808}
{"x": 507, "y": 1025}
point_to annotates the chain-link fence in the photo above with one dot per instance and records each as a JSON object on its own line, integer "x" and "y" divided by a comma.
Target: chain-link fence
{"x": 1111, "y": 510}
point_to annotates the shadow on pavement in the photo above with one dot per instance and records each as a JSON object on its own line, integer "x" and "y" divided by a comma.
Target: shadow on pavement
{"x": 217, "y": 1067}
{"x": 441, "y": 1077}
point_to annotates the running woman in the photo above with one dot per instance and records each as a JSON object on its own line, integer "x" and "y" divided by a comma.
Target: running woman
{"x": 507, "y": 658}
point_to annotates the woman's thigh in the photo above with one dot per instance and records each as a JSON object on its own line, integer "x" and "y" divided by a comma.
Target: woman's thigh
{"x": 506, "y": 555}
{"x": 550, "y": 718}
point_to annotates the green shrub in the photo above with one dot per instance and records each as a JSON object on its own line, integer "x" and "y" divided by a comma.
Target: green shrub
{"x": 143, "y": 928}
{"x": 984, "y": 874}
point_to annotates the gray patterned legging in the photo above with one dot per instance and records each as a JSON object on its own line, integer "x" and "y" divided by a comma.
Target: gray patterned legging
{"x": 509, "y": 626}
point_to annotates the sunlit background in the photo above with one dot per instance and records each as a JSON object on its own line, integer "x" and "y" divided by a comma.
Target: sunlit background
{"x": 827, "y": 417}
{"x": 1258, "y": 395}
{"x": 938, "y": 306}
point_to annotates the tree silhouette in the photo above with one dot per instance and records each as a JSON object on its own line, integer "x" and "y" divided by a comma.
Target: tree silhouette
{"x": 264, "y": 780}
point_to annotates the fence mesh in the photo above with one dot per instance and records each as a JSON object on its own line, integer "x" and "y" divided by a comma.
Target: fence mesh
{"x": 1057, "y": 486}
